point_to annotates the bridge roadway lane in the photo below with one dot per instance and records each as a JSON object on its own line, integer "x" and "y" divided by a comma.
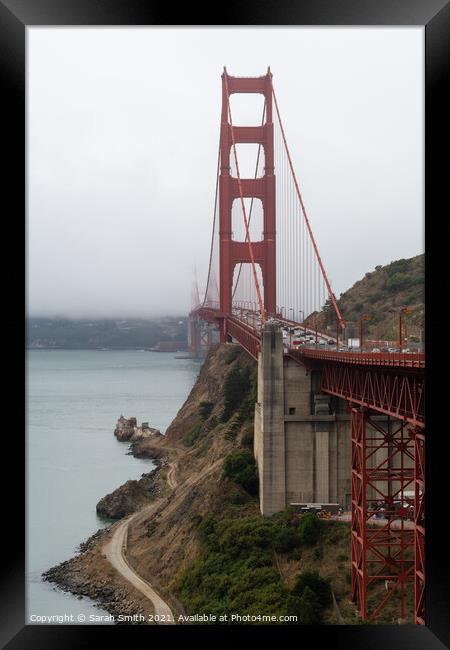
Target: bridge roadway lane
{"x": 247, "y": 325}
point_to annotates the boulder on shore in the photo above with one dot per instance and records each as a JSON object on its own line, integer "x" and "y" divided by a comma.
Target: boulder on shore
{"x": 130, "y": 496}
{"x": 128, "y": 429}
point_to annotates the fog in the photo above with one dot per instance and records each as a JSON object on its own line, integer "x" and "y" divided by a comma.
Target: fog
{"x": 122, "y": 138}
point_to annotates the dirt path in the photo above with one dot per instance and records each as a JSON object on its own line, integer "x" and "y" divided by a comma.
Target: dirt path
{"x": 171, "y": 478}
{"x": 115, "y": 549}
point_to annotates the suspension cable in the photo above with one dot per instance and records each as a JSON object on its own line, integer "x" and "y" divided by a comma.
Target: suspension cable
{"x": 330, "y": 292}
{"x": 214, "y": 226}
{"x": 250, "y": 247}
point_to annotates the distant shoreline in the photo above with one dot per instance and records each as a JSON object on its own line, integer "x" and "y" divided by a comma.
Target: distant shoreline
{"x": 106, "y": 349}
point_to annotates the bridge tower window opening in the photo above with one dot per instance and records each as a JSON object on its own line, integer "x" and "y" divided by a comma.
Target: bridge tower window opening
{"x": 251, "y": 160}
{"x": 247, "y": 109}
{"x": 255, "y": 216}
{"x": 244, "y": 290}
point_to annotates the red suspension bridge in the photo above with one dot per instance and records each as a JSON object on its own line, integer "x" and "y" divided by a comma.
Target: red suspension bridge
{"x": 265, "y": 266}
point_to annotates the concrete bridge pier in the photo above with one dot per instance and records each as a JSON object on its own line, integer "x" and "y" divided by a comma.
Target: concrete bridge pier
{"x": 269, "y": 438}
{"x": 301, "y": 449}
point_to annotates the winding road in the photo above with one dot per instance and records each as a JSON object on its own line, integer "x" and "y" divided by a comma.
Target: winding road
{"x": 115, "y": 549}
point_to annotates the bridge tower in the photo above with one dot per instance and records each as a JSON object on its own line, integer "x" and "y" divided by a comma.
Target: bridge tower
{"x": 234, "y": 252}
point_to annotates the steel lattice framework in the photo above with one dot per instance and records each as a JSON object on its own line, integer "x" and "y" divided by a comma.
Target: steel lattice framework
{"x": 419, "y": 524}
{"x": 393, "y": 385}
{"x": 386, "y": 389}
{"x": 382, "y": 470}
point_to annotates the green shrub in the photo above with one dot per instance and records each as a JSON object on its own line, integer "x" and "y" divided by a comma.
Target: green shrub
{"x": 247, "y": 438}
{"x": 310, "y": 529}
{"x": 192, "y": 435}
{"x": 398, "y": 281}
{"x": 207, "y": 527}
{"x": 320, "y": 586}
{"x": 205, "y": 409}
{"x": 286, "y": 539}
{"x": 238, "y": 499}
{"x": 399, "y": 266}
{"x": 236, "y": 386}
{"x": 236, "y": 572}
{"x": 232, "y": 431}
{"x": 317, "y": 553}
{"x": 306, "y": 607}
{"x": 247, "y": 408}
{"x": 296, "y": 554}
{"x": 240, "y": 466}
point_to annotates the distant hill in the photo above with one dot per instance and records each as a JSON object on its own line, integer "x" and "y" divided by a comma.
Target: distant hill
{"x": 94, "y": 334}
{"x": 381, "y": 294}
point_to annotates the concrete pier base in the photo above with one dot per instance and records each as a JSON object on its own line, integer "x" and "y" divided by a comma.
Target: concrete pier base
{"x": 302, "y": 450}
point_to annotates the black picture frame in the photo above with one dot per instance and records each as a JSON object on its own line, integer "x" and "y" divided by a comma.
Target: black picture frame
{"x": 15, "y": 16}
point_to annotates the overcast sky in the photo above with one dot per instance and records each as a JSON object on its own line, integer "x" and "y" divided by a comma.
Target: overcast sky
{"x": 123, "y": 128}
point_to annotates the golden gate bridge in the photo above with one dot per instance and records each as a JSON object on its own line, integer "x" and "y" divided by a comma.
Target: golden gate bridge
{"x": 265, "y": 267}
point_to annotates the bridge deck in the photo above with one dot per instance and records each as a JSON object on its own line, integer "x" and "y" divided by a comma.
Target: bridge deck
{"x": 246, "y": 330}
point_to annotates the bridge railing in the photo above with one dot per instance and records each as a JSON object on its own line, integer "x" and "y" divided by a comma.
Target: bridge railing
{"x": 393, "y": 359}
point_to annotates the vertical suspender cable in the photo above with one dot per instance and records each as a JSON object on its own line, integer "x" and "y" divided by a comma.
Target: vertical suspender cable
{"x": 330, "y": 293}
{"x": 213, "y": 228}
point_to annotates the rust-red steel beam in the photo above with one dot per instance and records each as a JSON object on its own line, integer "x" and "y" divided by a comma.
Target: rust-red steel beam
{"x": 394, "y": 387}
{"x": 245, "y": 335}
{"x": 382, "y": 556}
{"x": 383, "y": 359}
{"x": 419, "y": 525}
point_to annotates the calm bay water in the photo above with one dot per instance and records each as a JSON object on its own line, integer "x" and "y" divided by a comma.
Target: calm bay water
{"x": 73, "y": 459}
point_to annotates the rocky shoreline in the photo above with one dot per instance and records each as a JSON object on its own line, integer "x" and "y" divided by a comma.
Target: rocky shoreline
{"x": 75, "y": 577}
{"x": 131, "y": 496}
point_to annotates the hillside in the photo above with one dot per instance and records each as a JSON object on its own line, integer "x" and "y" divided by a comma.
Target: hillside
{"x": 380, "y": 294}
{"x": 107, "y": 333}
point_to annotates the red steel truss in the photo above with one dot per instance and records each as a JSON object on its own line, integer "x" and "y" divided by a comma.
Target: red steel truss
{"x": 383, "y": 462}
{"x": 419, "y": 524}
{"x": 395, "y": 392}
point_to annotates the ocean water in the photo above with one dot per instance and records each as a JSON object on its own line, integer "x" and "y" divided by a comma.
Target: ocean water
{"x": 73, "y": 459}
